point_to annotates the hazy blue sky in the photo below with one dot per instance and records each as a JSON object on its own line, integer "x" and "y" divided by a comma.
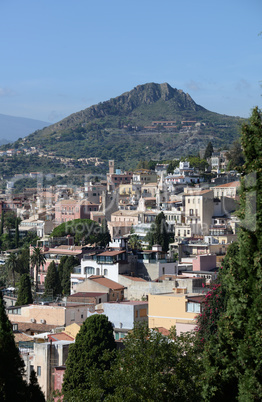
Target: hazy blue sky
{"x": 61, "y": 56}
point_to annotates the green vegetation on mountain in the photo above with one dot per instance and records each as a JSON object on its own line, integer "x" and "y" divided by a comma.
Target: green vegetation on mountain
{"x": 121, "y": 128}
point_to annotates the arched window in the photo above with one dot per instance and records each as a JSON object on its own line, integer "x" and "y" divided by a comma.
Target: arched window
{"x": 89, "y": 270}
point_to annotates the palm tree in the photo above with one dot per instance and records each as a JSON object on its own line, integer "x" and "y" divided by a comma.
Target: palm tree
{"x": 12, "y": 265}
{"x": 134, "y": 242}
{"x": 37, "y": 259}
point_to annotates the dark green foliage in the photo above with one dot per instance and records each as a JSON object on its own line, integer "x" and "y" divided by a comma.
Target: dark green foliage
{"x": 172, "y": 165}
{"x": 153, "y": 367}
{"x": 16, "y": 234}
{"x": 104, "y": 237}
{"x": 24, "y": 259}
{"x": 52, "y": 280}
{"x": 35, "y": 393}
{"x": 2, "y": 223}
{"x": 84, "y": 230}
{"x": 12, "y": 386}
{"x": 209, "y": 150}
{"x": 24, "y": 292}
{"x": 13, "y": 265}
{"x": 232, "y": 354}
{"x": 89, "y": 358}
{"x": 159, "y": 232}
{"x": 37, "y": 260}
{"x": 235, "y": 157}
{"x": 65, "y": 269}
{"x": 134, "y": 242}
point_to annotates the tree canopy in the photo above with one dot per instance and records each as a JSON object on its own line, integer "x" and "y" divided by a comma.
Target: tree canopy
{"x": 232, "y": 346}
{"x": 84, "y": 231}
{"x": 89, "y": 357}
{"x": 24, "y": 293}
{"x": 12, "y": 386}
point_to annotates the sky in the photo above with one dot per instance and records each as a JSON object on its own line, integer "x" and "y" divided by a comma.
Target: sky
{"x": 61, "y": 56}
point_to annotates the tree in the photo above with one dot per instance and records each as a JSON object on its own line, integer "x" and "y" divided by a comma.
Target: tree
{"x": 161, "y": 234}
{"x": 12, "y": 265}
{"x": 35, "y": 393}
{"x": 232, "y": 354}
{"x": 52, "y": 280}
{"x": 209, "y": 150}
{"x": 16, "y": 234}
{"x": 84, "y": 230}
{"x": 104, "y": 237}
{"x": 65, "y": 268}
{"x": 37, "y": 260}
{"x": 153, "y": 367}
{"x": 24, "y": 260}
{"x": 89, "y": 358}
{"x": 2, "y": 223}
{"x": 24, "y": 293}
{"x": 235, "y": 156}
{"x": 12, "y": 386}
{"x": 134, "y": 242}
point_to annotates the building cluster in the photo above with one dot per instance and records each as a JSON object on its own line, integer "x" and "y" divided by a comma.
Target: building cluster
{"x": 163, "y": 289}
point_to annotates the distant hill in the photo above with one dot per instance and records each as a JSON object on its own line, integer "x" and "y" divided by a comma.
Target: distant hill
{"x": 12, "y": 128}
{"x": 122, "y": 128}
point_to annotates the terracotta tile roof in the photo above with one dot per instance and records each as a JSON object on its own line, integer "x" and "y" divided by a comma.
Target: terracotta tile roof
{"x": 87, "y": 294}
{"x": 61, "y": 336}
{"x": 33, "y": 327}
{"x": 106, "y": 282}
{"x": 163, "y": 331}
{"x": 20, "y": 336}
{"x": 198, "y": 193}
{"x": 63, "y": 251}
{"x": 112, "y": 253}
{"x": 197, "y": 299}
{"x": 232, "y": 184}
{"x": 134, "y": 278}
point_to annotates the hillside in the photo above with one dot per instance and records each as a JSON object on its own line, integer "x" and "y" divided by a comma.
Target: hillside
{"x": 12, "y": 128}
{"x": 121, "y": 128}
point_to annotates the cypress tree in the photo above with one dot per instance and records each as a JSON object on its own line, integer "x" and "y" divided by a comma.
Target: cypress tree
{"x": 12, "y": 386}
{"x": 2, "y": 223}
{"x": 35, "y": 393}
{"x": 24, "y": 293}
{"x": 161, "y": 235}
{"x": 89, "y": 357}
{"x": 52, "y": 281}
{"x": 16, "y": 233}
{"x": 233, "y": 353}
{"x": 68, "y": 267}
{"x": 209, "y": 150}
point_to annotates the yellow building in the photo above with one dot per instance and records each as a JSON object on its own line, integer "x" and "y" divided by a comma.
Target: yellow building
{"x": 174, "y": 309}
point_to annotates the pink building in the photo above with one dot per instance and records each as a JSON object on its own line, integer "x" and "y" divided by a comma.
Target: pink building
{"x": 204, "y": 262}
{"x": 58, "y": 381}
{"x": 67, "y": 210}
{"x": 55, "y": 254}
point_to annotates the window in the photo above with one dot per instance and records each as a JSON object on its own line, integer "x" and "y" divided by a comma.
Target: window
{"x": 16, "y": 311}
{"x": 89, "y": 270}
{"x": 188, "y": 200}
{"x": 72, "y": 316}
{"x": 193, "y": 307}
{"x": 191, "y": 212}
{"x": 38, "y": 371}
{"x": 105, "y": 272}
{"x": 143, "y": 312}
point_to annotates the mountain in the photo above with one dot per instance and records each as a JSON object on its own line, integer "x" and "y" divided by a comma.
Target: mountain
{"x": 12, "y": 128}
{"x": 121, "y": 128}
